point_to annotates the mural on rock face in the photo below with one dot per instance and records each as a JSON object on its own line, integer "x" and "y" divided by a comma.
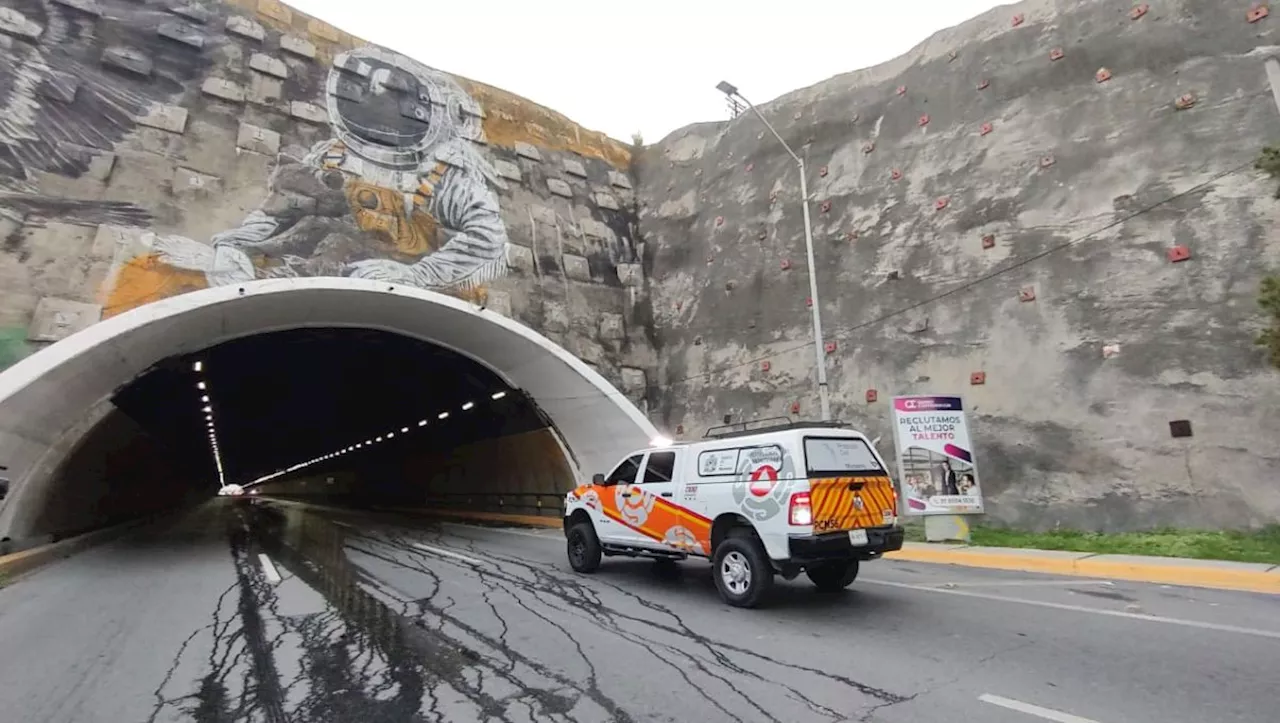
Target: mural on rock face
{"x": 399, "y": 193}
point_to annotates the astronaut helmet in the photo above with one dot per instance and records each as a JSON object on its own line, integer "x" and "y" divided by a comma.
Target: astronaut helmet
{"x": 392, "y": 110}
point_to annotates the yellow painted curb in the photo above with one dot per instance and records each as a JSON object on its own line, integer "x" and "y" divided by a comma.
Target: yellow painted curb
{"x": 1192, "y": 575}
{"x": 1158, "y": 570}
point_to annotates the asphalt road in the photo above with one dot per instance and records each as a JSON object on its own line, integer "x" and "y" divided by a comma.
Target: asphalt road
{"x": 277, "y": 614}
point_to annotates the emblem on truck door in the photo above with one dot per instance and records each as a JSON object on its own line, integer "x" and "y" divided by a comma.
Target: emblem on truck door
{"x": 858, "y": 504}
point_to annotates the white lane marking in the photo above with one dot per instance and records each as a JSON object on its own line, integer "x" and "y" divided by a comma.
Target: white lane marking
{"x": 1035, "y": 710}
{"x": 340, "y": 523}
{"x": 269, "y": 568}
{"x": 1020, "y": 583}
{"x": 1082, "y": 609}
{"x": 552, "y": 535}
{"x": 447, "y": 553}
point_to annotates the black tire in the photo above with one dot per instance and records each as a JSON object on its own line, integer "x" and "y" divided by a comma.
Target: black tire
{"x": 583, "y": 547}
{"x": 833, "y": 576}
{"x": 744, "y": 552}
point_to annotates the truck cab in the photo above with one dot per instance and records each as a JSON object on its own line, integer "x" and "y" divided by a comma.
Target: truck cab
{"x": 759, "y": 499}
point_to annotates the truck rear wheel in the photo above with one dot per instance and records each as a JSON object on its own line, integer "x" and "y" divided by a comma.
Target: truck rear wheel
{"x": 583, "y": 547}
{"x": 833, "y": 576}
{"x": 742, "y": 570}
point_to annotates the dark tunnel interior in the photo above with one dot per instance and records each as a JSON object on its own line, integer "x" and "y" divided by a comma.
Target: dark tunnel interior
{"x": 280, "y": 399}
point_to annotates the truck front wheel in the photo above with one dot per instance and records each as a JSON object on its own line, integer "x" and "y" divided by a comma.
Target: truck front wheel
{"x": 833, "y": 576}
{"x": 583, "y": 547}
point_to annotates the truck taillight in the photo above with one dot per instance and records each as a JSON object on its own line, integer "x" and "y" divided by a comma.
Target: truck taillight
{"x": 801, "y": 512}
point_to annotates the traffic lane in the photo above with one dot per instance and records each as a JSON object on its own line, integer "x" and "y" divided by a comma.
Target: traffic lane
{"x": 197, "y": 618}
{"x": 97, "y": 636}
{"x": 922, "y": 643}
{"x": 451, "y": 550}
{"x": 750, "y": 672}
{"x": 1236, "y": 609}
{"x": 629, "y": 657}
{"x": 648, "y": 659}
{"x": 1222, "y": 610}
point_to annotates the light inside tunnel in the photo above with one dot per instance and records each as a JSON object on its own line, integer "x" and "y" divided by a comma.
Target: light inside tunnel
{"x": 332, "y": 455}
{"x": 285, "y": 405}
{"x": 296, "y": 369}
{"x": 202, "y": 385}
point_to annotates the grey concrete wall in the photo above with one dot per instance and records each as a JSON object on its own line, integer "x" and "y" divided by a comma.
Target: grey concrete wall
{"x": 116, "y": 473}
{"x": 522, "y": 473}
{"x": 137, "y": 135}
{"x": 1083, "y": 186}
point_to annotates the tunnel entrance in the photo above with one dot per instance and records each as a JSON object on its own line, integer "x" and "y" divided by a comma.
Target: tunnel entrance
{"x": 345, "y": 389}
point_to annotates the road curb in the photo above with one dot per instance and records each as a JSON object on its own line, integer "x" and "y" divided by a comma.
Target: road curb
{"x": 26, "y": 561}
{"x": 1250, "y": 577}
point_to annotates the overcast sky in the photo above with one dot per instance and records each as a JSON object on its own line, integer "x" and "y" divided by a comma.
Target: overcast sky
{"x": 648, "y": 66}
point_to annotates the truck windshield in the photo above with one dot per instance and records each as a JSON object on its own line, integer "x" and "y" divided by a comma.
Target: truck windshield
{"x": 839, "y": 456}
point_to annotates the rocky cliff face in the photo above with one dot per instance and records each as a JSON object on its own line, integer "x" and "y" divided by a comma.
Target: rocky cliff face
{"x": 153, "y": 148}
{"x": 1049, "y": 209}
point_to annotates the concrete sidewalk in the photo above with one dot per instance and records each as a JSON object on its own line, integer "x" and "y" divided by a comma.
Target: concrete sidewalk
{"x": 1221, "y": 574}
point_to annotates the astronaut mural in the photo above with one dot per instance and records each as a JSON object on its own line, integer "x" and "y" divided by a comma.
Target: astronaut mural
{"x": 398, "y": 194}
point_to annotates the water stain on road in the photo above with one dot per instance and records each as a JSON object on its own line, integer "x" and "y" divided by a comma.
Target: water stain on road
{"x": 377, "y": 654}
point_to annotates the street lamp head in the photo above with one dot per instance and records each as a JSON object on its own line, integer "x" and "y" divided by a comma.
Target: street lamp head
{"x": 727, "y": 88}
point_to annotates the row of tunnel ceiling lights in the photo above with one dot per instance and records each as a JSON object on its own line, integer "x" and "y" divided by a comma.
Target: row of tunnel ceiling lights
{"x": 466, "y": 406}
{"x": 206, "y": 406}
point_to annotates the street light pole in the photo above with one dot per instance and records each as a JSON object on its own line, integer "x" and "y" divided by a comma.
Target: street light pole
{"x": 1272, "y": 66}
{"x": 816, "y": 307}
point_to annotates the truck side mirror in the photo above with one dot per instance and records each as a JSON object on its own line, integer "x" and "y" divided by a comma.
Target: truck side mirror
{"x": 597, "y": 479}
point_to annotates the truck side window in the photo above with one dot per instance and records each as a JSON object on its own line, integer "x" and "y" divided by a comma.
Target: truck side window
{"x": 625, "y": 473}
{"x": 661, "y": 467}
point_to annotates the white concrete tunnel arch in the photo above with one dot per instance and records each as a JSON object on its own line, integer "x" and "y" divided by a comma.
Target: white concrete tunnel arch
{"x": 46, "y": 398}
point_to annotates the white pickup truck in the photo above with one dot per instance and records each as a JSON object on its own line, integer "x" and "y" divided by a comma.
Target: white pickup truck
{"x": 794, "y": 497}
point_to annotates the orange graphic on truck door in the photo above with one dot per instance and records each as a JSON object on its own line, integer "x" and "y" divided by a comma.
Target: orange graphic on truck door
{"x": 849, "y": 503}
{"x": 652, "y": 516}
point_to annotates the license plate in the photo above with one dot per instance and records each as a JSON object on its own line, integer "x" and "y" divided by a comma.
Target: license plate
{"x": 858, "y": 537}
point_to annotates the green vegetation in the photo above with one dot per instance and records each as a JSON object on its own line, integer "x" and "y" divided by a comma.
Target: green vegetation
{"x": 1242, "y": 546}
{"x": 13, "y": 346}
{"x": 1269, "y": 300}
{"x": 1269, "y": 163}
{"x": 914, "y": 529}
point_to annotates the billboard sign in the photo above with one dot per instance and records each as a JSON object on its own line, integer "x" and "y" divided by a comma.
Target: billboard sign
{"x": 936, "y": 468}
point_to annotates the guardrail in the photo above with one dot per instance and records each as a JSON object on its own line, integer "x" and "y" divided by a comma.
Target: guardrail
{"x": 549, "y": 504}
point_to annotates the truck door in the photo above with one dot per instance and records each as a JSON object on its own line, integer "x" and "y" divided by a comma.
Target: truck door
{"x": 608, "y": 520}
{"x": 642, "y": 508}
{"x": 669, "y": 522}
{"x": 651, "y": 507}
